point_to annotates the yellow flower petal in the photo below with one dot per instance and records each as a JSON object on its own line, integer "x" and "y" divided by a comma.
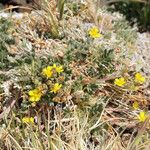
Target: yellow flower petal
{"x": 120, "y": 82}
{"x": 142, "y": 116}
{"x": 56, "y": 87}
{"x": 49, "y": 68}
{"x": 139, "y": 78}
{"x": 54, "y": 66}
{"x": 94, "y": 32}
{"x": 31, "y": 93}
{"x": 31, "y": 120}
{"x": 47, "y": 72}
{"x": 35, "y": 95}
{"x": 28, "y": 120}
{"x": 59, "y": 69}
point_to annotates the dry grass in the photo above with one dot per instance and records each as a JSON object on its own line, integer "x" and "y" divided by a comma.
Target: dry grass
{"x": 69, "y": 133}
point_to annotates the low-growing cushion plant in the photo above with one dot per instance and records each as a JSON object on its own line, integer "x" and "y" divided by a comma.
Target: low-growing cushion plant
{"x": 76, "y": 90}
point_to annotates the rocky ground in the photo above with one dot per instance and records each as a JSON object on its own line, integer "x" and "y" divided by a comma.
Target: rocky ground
{"x": 143, "y": 52}
{"x": 142, "y": 57}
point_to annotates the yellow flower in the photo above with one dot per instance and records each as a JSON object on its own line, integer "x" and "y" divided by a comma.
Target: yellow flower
{"x": 142, "y": 116}
{"x": 56, "y": 87}
{"x": 48, "y": 72}
{"x": 54, "y": 66}
{"x": 120, "y": 81}
{"x": 135, "y": 105}
{"x": 94, "y": 32}
{"x": 139, "y": 78}
{"x": 28, "y": 120}
{"x": 59, "y": 69}
{"x": 35, "y": 95}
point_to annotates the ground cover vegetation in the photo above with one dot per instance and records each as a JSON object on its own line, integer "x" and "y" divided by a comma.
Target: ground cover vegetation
{"x": 68, "y": 80}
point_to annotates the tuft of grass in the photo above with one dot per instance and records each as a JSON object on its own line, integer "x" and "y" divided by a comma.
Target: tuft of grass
{"x": 53, "y": 13}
